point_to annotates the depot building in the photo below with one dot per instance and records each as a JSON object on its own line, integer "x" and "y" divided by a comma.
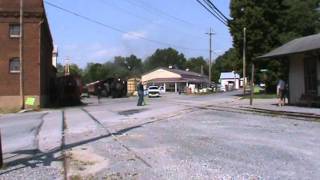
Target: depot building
{"x": 175, "y": 80}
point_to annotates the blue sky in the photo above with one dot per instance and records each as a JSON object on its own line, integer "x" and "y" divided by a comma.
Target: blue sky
{"x": 180, "y": 23}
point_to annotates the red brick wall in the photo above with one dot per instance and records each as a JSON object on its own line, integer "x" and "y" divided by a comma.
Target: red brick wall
{"x": 29, "y": 5}
{"x": 9, "y": 82}
{"x": 37, "y": 52}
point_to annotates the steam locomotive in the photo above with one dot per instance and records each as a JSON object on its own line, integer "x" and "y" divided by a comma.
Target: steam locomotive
{"x": 111, "y": 87}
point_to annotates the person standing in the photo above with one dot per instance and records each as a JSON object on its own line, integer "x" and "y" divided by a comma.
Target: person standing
{"x": 140, "y": 93}
{"x": 99, "y": 89}
{"x": 281, "y": 92}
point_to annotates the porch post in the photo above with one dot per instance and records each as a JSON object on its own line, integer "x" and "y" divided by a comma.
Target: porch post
{"x": 252, "y": 85}
{"x": 175, "y": 87}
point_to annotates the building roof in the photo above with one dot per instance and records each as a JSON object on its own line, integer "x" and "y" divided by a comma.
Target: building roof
{"x": 300, "y": 45}
{"x": 186, "y": 76}
{"x": 229, "y": 75}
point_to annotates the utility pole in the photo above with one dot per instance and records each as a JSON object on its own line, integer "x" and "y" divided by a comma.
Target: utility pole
{"x": 21, "y": 56}
{"x": 244, "y": 61}
{"x": 210, "y": 52}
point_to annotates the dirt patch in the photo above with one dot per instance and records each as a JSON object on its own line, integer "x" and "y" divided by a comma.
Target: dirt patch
{"x": 131, "y": 112}
{"x": 85, "y": 162}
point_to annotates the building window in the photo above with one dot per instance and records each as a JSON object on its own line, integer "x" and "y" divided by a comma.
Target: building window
{"x": 14, "y": 65}
{"x": 14, "y": 30}
{"x": 310, "y": 76}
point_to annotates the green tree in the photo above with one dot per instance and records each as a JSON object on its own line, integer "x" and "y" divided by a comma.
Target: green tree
{"x": 60, "y": 70}
{"x": 164, "y": 58}
{"x": 132, "y": 64}
{"x": 94, "y": 72}
{"x": 227, "y": 62}
{"x": 195, "y": 64}
{"x": 269, "y": 24}
{"x": 74, "y": 70}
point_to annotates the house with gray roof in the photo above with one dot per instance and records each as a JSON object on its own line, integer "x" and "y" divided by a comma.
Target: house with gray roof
{"x": 303, "y": 55}
{"x": 175, "y": 80}
{"x": 229, "y": 81}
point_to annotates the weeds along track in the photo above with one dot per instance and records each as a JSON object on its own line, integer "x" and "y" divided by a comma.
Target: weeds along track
{"x": 145, "y": 122}
{"x": 116, "y": 139}
{"x": 257, "y": 111}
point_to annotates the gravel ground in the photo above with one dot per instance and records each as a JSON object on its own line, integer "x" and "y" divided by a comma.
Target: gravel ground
{"x": 223, "y": 145}
{"x": 174, "y": 138}
{"x": 40, "y": 172}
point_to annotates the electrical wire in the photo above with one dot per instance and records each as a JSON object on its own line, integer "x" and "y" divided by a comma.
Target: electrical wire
{"x": 146, "y": 19}
{"x": 117, "y": 29}
{"x": 217, "y": 17}
{"x": 218, "y": 10}
{"x": 154, "y": 10}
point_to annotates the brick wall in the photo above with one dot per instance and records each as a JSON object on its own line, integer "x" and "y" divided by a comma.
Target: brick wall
{"x": 37, "y": 52}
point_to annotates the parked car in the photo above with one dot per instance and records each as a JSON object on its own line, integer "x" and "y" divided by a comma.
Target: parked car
{"x": 153, "y": 91}
{"x": 162, "y": 90}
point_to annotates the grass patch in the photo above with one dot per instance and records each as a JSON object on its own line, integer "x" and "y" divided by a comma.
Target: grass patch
{"x": 9, "y": 110}
{"x": 261, "y": 96}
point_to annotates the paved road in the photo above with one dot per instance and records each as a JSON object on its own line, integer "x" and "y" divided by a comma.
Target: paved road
{"x": 173, "y": 137}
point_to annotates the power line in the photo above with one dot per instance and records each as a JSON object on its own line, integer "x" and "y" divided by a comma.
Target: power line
{"x": 117, "y": 29}
{"x": 214, "y": 11}
{"x": 221, "y": 16}
{"x": 143, "y": 18}
{"x": 154, "y": 10}
{"x": 217, "y": 9}
{"x": 216, "y": 16}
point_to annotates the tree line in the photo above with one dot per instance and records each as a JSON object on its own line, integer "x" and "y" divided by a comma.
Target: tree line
{"x": 269, "y": 24}
{"x": 132, "y": 66}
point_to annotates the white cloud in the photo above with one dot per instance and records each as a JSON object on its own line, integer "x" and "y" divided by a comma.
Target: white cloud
{"x": 105, "y": 52}
{"x": 134, "y": 35}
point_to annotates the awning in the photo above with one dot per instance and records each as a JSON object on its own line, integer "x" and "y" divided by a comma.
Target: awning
{"x": 177, "y": 80}
{"x": 300, "y": 45}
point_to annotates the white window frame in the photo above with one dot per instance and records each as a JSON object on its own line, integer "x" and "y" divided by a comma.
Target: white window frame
{"x": 14, "y": 35}
{"x": 10, "y": 61}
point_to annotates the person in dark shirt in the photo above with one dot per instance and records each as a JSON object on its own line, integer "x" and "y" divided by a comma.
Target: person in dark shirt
{"x": 140, "y": 93}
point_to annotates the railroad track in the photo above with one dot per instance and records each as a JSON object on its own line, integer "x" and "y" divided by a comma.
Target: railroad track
{"x": 63, "y": 144}
{"x": 115, "y": 138}
{"x": 257, "y": 111}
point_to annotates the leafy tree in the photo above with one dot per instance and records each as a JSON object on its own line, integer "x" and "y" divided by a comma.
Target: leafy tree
{"x": 195, "y": 64}
{"x": 94, "y": 72}
{"x": 269, "y": 24}
{"x": 60, "y": 70}
{"x": 131, "y": 63}
{"x": 227, "y": 62}
{"x": 74, "y": 70}
{"x": 164, "y": 58}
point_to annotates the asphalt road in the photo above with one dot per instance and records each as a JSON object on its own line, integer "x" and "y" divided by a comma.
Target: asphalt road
{"x": 172, "y": 137}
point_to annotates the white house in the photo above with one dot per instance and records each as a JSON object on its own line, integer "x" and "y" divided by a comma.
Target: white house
{"x": 303, "y": 55}
{"x": 229, "y": 81}
{"x": 175, "y": 80}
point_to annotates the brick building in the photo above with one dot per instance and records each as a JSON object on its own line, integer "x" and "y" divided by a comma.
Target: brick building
{"x": 39, "y": 74}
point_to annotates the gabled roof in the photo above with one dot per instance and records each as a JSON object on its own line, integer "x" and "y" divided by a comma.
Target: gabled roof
{"x": 185, "y": 74}
{"x": 300, "y": 45}
{"x": 229, "y": 75}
